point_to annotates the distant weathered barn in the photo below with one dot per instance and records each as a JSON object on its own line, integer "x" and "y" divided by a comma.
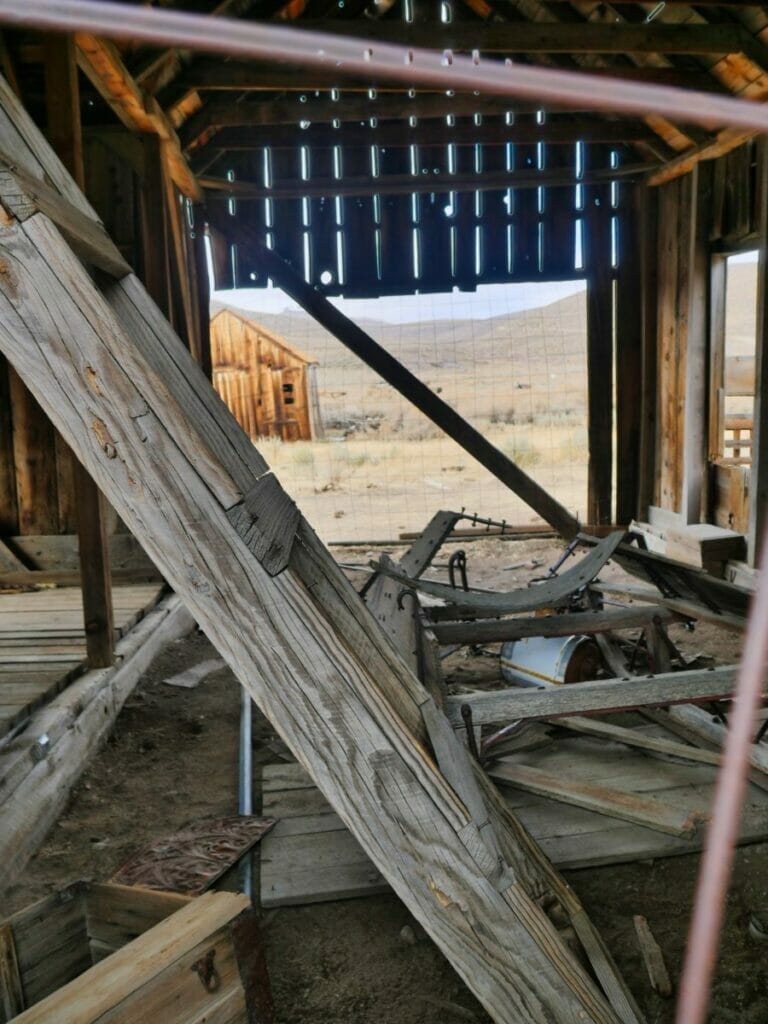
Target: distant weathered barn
{"x": 268, "y": 385}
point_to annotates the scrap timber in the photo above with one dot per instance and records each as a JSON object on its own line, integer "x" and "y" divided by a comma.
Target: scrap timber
{"x": 140, "y": 415}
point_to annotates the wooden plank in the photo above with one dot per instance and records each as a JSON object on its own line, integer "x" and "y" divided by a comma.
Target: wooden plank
{"x": 593, "y": 698}
{"x": 390, "y": 765}
{"x": 599, "y": 358}
{"x": 629, "y": 355}
{"x": 637, "y": 738}
{"x": 547, "y": 37}
{"x": 648, "y": 812}
{"x": 9, "y": 519}
{"x": 117, "y": 914}
{"x": 111, "y": 982}
{"x": 35, "y": 462}
{"x": 653, "y": 958}
{"x": 571, "y": 836}
{"x": 697, "y": 263}
{"x": 482, "y": 631}
{"x": 758, "y": 482}
{"x": 75, "y": 723}
{"x": 63, "y": 109}
{"x": 23, "y": 195}
{"x": 11, "y": 990}
{"x": 405, "y": 382}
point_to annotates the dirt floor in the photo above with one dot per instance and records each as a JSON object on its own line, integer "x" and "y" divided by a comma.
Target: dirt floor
{"x": 172, "y": 759}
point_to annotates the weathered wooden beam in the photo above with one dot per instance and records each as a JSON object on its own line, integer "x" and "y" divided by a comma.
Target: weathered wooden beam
{"x": 223, "y": 113}
{"x": 208, "y": 73}
{"x": 25, "y": 196}
{"x": 407, "y": 184}
{"x": 540, "y": 37}
{"x": 348, "y": 733}
{"x": 639, "y": 809}
{"x": 102, "y": 63}
{"x": 608, "y": 695}
{"x": 636, "y": 738}
{"x": 725, "y": 141}
{"x": 488, "y": 631}
{"x": 391, "y": 370}
{"x": 758, "y": 486}
{"x": 493, "y": 131}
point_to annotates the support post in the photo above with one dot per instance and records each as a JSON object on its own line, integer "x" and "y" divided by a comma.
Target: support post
{"x": 63, "y": 108}
{"x": 649, "y": 271}
{"x": 600, "y": 364}
{"x": 695, "y": 386}
{"x": 629, "y": 360}
{"x": 758, "y": 485}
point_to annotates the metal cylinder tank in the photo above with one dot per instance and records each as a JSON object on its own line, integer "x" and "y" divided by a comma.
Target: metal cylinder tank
{"x": 541, "y": 661}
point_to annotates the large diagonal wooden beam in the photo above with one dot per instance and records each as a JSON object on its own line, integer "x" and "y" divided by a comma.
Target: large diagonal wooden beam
{"x": 102, "y": 64}
{"x": 139, "y": 413}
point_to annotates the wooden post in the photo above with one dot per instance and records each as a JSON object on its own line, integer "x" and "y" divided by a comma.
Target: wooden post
{"x": 696, "y": 348}
{"x": 202, "y": 292}
{"x": 600, "y": 363}
{"x": 155, "y": 270}
{"x": 629, "y": 357}
{"x": 63, "y": 108}
{"x": 758, "y": 484}
{"x": 649, "y": 268}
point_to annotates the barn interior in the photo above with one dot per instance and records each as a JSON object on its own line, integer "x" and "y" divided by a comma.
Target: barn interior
{"x": 148, "y": 162}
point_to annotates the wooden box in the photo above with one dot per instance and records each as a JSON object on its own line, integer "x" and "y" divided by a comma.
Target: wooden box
{"x": 128, "y": 955}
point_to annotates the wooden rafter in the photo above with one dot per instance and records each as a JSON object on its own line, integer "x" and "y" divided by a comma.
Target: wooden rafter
{"x": 435, "y": 132}
{"x": 555, "y": 37}
{"x": 102, "y": 64}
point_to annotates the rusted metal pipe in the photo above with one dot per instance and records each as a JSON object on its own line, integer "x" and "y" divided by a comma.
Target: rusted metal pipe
{"x": 349, "y": 56}
{"x": 723, "y": 833}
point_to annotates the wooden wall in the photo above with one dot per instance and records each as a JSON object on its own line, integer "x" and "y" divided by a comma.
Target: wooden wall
{"x": 702, "y": 217}
{"x": 266, "y": 383}
{"x": 37, "y": 472}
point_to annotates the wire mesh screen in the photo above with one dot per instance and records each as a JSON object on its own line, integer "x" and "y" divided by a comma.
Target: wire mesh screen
{"x": 511, "y": 359}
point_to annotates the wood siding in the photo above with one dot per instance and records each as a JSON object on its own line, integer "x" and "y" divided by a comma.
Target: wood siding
{"x": 267, "y": 385}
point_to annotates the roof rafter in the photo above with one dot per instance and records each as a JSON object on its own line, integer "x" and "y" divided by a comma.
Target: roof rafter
{"x": 102, "y": 64}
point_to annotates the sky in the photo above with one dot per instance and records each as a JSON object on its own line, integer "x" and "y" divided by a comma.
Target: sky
{"x": 488, "y": 301}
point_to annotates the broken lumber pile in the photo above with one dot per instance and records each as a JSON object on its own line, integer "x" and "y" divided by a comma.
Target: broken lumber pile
{"x": 140, "y": 415}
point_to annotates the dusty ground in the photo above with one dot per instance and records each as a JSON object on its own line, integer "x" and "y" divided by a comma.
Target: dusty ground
{"x": 173, "y": 759}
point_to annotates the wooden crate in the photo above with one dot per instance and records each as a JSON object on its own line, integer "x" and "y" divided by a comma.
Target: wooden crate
{"x": 94, "y": 952}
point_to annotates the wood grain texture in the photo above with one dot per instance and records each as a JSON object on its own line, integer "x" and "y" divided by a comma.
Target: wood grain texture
{"x": 616, "y": 803}
{"x": 388, "y": 791}
{"x": 523, "y": 703}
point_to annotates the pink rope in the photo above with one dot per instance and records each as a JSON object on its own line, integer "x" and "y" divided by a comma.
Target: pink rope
{"x": 723, "y": 833}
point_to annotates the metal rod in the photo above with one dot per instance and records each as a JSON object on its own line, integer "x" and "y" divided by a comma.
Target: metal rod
{"x": 723, "y": 833}
{"x": 245, "y": 780}
{"x": 349, "y": 56}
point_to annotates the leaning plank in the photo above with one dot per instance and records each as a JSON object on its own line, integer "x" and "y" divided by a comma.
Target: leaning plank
{"x": 485, "y": 631}
{"x": 64, "y": 340}
{"x": 653, "y": 958}
{"x": 594, "y": 698}
{"x": 616, "y": 803}
{"x": 635, "y": 738}
{"x": 39, "y": 776}
{"x": 706, "y": 726}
